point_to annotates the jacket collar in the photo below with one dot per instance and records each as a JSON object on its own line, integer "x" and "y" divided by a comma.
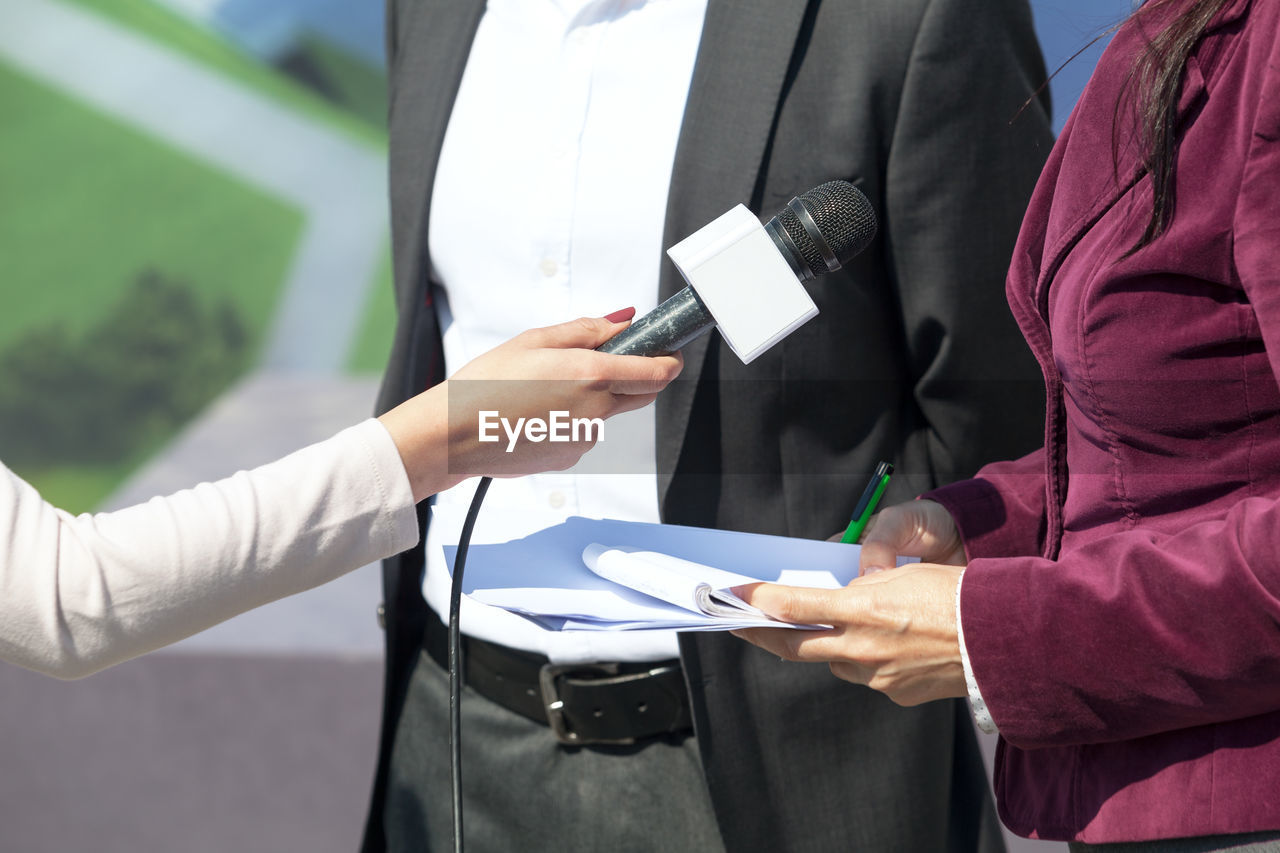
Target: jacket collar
{"x": 1060, "y": 213}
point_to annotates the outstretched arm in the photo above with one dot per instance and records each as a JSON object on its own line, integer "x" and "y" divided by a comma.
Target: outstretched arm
{"x": 78, "y": 594}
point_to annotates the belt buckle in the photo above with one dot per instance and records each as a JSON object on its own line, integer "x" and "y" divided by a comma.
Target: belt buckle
{"x": 549, "y": 682}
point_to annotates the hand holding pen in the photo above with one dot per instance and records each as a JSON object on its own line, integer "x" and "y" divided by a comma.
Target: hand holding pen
{"x": 923, "y": 530}
{"x": 866, "y": 643}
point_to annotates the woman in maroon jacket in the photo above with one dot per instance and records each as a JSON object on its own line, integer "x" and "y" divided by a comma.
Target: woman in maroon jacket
{"x": 1119, "y": 617}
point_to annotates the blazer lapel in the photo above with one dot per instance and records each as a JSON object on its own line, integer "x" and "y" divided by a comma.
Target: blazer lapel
{"x": 1105, "y": 162}
{"x": 435, "y": 38}
{"x": 738, "y": 79}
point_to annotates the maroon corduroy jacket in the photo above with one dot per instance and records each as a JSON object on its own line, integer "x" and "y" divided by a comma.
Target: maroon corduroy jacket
{"x": 1121, "y": 607}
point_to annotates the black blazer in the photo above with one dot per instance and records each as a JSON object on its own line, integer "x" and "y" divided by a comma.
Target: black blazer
{"x": 928, "y": 106}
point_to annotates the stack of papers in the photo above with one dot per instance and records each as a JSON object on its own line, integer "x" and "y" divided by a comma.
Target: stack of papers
{"x": 584, "y": 574}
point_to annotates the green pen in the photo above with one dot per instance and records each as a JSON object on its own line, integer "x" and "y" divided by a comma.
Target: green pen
{"x": 867, "y": 503}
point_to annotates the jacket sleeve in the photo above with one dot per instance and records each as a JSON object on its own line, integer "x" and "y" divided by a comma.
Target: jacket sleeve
{"x": 1154, "y": 633}
{"x": 78, "y": 594}
{"x": 1001, "y": 511}
{"x": 967, "y": 147}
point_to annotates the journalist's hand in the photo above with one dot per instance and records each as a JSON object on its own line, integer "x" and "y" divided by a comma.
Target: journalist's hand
{"x": 552, "y": 369}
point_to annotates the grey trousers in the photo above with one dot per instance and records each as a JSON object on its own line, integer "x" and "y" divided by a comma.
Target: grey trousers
{"x": 523, "y": 791}
{"x": 1252, "y": 842}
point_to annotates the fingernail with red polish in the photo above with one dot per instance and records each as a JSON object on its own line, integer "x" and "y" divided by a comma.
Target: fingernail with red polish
{"x": 620, "y": 315}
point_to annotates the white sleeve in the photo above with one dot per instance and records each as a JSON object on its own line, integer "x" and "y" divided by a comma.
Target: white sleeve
{"x": 78, "y": 594}
{"x": 981, "y": 716}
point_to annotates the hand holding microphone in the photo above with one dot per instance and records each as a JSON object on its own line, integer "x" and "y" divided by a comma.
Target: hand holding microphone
{"x": 746, "y": 278}
{"x": 534, "y": 374}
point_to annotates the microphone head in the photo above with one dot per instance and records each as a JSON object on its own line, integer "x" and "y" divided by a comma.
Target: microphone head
{"x": 826, "y": 227}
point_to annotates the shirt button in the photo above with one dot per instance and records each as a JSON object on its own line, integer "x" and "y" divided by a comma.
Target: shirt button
{"x": 556, "y": 499}
{"x": 549, "y": 267}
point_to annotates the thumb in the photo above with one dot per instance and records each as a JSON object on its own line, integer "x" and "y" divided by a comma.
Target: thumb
{"x": 882, "y": 544}
{"x": 795, "y": 604}
{"x": 876, "y": 556}
{"x": 582, "y": 333}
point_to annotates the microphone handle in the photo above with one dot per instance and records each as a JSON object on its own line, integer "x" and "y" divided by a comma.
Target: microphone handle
{"x": 665, "y": 329}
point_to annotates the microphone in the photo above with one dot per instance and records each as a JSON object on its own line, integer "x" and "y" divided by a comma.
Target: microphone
{"x": 746, "y": 278}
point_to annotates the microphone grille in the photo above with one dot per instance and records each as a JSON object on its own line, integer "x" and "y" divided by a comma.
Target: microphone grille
{"x": 844, "y": 217}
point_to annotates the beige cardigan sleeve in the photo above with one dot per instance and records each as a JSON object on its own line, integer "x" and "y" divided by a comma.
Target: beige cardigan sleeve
{"x": 78, "y": 594}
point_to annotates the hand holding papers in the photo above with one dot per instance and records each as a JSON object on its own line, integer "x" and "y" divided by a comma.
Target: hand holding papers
{"x": 544, "y": 576}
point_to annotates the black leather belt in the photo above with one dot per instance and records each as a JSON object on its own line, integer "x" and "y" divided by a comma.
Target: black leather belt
{"x": 592, "y": 703}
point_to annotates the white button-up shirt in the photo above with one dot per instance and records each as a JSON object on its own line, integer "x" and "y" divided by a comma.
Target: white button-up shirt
{"x": 549, "y": 203}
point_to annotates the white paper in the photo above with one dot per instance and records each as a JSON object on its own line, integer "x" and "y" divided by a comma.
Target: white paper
{"x": 696, "y": 587}
{"x": 542, "y": 575}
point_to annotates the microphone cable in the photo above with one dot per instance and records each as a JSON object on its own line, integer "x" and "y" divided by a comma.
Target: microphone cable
{"x": 455, "y": 660}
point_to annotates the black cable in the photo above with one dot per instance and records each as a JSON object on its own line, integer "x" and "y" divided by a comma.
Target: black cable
{"x": 455, "y": 660}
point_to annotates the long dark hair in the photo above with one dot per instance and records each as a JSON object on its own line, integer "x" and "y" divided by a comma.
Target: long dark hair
{"x": 1153, "y": 88}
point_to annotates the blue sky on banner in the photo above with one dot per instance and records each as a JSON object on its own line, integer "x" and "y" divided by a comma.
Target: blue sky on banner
{"x": 1065, "y": 27}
